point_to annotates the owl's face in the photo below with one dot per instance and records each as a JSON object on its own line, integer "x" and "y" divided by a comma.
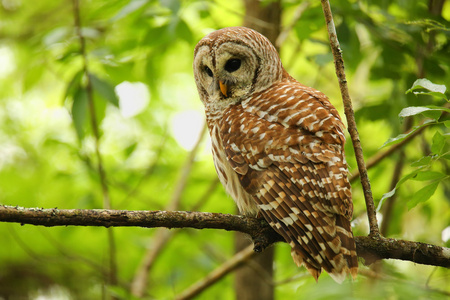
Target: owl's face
{"x": 232, "y": 63}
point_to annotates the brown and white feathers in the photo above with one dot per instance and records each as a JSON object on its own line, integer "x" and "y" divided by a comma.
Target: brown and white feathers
{"x": 278, "y": 148}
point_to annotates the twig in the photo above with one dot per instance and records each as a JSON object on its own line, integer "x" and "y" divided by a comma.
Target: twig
{"x": 297, "y": 15}
{"x": 388, "y": 207}
{"x": 206, "y": 195}
{"x": 339, "y": 64}
{"x": 392, "y": 280}
{"x": 162, "y": 237}
{"x": 376, "y": 159}
{"x": 236, "y": 261}
{"x": 185, "y": 171}
{"x": 94, "y": 125}
{"x": 370, "y": 248}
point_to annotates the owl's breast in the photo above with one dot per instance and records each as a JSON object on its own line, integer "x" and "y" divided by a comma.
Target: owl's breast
{"x": 228, "y": 177}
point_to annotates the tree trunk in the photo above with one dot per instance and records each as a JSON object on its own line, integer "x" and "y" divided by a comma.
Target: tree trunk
{"x": 254, "y": 281}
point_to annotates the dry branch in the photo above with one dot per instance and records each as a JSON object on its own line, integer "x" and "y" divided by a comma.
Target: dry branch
{"x": 348, "y": 109}
{"x": 369, "y": 248}
{"x": 230, "y": 265}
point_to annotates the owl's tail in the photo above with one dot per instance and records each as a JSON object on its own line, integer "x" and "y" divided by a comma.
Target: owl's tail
{"x": 339, "y": 262}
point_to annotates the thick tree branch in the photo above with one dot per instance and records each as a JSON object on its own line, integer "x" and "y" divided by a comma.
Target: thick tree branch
{"x": 369, "y": 248}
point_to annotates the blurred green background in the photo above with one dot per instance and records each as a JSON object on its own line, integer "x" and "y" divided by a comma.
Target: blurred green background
{"x": 154, "y": 153}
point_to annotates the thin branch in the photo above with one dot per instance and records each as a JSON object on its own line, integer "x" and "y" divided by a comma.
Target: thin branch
{"x": 94, "y": 125}
{"x": 370, "y": 248}
{"x": 389, "y": 206}
{"x": 349, "y": 113}
{"x": 377, "y": 158}
{"x": 185, "y": 172}
{"x": 391, "y": 280}
{"x": 297, "y": 15}
{"x": 140, "y": 280}
{"x": 230, "y": 265}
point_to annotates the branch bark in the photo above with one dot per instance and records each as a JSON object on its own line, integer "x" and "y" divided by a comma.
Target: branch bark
{"x": 370, "y": 248}
{"x": 349, "y": 113}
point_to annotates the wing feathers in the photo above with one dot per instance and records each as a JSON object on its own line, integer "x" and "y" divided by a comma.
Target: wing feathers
{"x": 288, "y": 155}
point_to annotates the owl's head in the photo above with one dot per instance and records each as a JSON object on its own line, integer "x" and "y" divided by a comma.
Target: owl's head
{"x": 232, "y": 63}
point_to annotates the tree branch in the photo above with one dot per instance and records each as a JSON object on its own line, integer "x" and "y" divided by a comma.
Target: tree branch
{"x": 94, "y": 124}
{"x": 349, "y": 113}
{"x": 230, "y": 265}
{"x": 370, "y": 249}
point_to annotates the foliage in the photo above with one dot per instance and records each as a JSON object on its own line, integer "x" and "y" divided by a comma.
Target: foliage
{"x": 139, "y": 57}
{"x": 439, "y": 149}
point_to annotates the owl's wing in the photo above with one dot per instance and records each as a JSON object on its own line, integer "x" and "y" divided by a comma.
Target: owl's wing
{"x": 302, "y": 126}
{"x": 299, "y": 183}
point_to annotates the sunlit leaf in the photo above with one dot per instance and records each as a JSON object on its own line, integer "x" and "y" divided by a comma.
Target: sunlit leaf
{"x": 384, "y": 197}
{"x": 56, "y": 35}
{"x": 423, "y": 194}
{"x": 104, "y": 89}
{"x": 131, "y": 7}
{"x": 429, "y": 87}
{"x": 415, "y": 110}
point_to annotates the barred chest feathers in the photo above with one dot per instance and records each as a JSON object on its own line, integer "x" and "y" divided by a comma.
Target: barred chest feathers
{"x": 228, "y": 177}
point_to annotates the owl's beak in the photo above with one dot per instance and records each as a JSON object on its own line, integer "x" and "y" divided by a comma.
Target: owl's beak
{"x": 223, "y": 88}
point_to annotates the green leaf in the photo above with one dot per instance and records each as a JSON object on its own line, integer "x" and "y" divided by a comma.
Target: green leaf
{"x": 32, "y": 76}
{"x": 432, "y": 114}
{"x": 130, "y": 149}
{"x": 131, "y": 7}
{"x": 423, "y": 194}
{"x": 438, "y": 144}
{"x": 424, "y": 161}
{"x": 100, "y": 112}
{"x": 104, "y": 89}
{"x": 428, "y": 175}
{"x": 384, "y": 197}
{"x": 399, "y": 183}
{"x": 392, "y": 141}
{"x": 412, "y": 111}
{"x": 431, "y": 88}
{"x": 415, "y": 110}
{"x": 447, "y": 123}
{"x": 182, "y": 30}
{"x": 79, "y": 111}
{"x": 402, "y": 136}
{"x": 74, "y": 85}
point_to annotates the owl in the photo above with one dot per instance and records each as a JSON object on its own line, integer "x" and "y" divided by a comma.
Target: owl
{"x": 278, "y": 148}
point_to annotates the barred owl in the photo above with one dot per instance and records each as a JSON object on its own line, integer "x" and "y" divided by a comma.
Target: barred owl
{"x": 278, "y": 148}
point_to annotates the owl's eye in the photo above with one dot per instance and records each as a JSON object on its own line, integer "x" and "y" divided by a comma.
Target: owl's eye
{"x": 208, "y": 71}
{"x": 233, "y": 65}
